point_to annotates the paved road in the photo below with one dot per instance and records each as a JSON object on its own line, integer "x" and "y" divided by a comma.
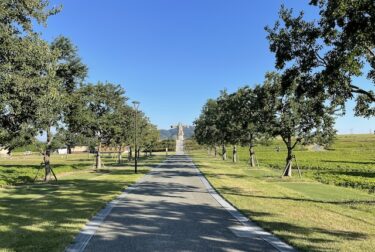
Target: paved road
{"x": 171, "y": 210}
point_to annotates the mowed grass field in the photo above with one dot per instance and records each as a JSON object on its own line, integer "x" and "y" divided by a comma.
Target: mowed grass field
{"x": 21, "y": 169}
{"x": 46, "y": 217}
{"x": 349, "y": 162}
{"x": 307, "y": 214}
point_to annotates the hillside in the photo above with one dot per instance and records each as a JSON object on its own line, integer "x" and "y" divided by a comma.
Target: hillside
{"x": 172, "y": 133}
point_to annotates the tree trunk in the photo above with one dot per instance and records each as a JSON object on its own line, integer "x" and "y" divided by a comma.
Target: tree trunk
{"x": 138, "y": 152}
{"x": 47, "y": 165}
{"x": 234, "y": 154}
{"x": 69, "y": 149}
{"x": 252, "y": 155}
{"x": 288, "y": 166}
{"x": 130, "y": 154}
{"x": 98, "y": 162}
{"x": 47, "y": 156}
{"x": 224, "y": 150}
{"x": 215, "y": 150}
{"x": 119, "y": 155}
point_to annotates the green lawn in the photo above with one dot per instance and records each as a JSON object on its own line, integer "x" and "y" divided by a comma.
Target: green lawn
{"x": 349, "y": 162}
{"x": 46, "y": 217}
{"x": 20, "y": 169}
{"x": 307, "y": 214}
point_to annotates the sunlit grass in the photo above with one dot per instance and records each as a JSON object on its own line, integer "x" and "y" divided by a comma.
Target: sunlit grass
{"x": 349, "y": 162}
{"x": 21, "y": 169}
{"x": 46, "y": 217}
{"x": 307, "y": 214}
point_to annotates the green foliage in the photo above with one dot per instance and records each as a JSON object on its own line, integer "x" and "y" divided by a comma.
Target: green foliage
{"x": 327, "y": 54}
{"x": 25, "y": 68}
{"x": 147, "y": 134}
{"x": 123, "y": 126}
{"x": 70, "y": 68}
{"x": 97, "y": 108}
{"x": 257, "y": 114}
{"x": 160, "y": 146}
{"x": 191, "y": 145}
{"x": 302, "y": 118}
{"x": 206, "y": 130}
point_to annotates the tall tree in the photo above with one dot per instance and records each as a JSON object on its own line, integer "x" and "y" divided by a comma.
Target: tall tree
{"x": 328, "y": 54}
{"x": 51, "y": 102}
{"x": 252, "y": 115}
{"x": 298, "y": 119}
{"x": 71, "y": 71}
{"x": 228, "y": 123}
{"x": 97, "y": 111}
{"x": 206, "y": 131}
{"x": 151, "y": 137}
{"x": 55, "y": 106}
{"x": 143, "y": 129}
{"x": 123, "y": 129}
{"x": 226, "y": 127}
{"x": 24, "y": 64}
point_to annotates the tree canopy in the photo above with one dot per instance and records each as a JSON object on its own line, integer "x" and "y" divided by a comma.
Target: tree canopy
{"x": 328, "y": 55}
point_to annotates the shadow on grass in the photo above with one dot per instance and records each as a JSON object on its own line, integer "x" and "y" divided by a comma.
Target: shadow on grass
{"x": 364, "y": 174}
{"x": 19, "y": 174}
{"x": 349, "y": 162}
{"x": 46, "y": 217}
{"x": 38, "y": 223}
{"x": 237, "y": 192}
{"x": 293, "y": 233}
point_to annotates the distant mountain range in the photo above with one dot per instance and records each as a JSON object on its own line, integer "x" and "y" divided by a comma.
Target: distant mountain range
{"x": 172, "y": 133}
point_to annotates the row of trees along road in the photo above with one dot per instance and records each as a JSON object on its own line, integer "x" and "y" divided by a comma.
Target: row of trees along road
{"x": 320, "y": 65}
{"x": 43, "y": 91}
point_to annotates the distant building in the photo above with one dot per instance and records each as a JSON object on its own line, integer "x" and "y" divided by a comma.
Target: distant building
{"x": 62, "y": 151}
{"x": 80, "y": 149}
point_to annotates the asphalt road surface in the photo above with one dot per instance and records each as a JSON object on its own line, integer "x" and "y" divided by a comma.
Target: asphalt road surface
{"x": 171, "y": 210}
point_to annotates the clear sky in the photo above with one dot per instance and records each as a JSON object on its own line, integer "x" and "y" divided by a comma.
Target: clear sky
{"x": 172, "y": 55}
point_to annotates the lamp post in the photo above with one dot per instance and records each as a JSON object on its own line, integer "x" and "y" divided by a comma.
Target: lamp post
{"x": 136, "y": 105}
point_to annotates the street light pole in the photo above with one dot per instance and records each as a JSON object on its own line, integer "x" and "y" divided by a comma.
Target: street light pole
{"x": 136, "y": 105}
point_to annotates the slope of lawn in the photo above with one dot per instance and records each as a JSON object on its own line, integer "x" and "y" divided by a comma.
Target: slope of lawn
{"x": 349, "y": 162}
{"x": 307, "y": 214}
{"x": 46, "y": 217}
{"x": 20, "y": 169}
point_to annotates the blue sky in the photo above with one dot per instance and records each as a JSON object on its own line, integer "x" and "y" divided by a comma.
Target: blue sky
{"x": 172, "y": 55}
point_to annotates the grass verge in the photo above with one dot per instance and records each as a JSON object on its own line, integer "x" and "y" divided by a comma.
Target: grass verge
{"x": 349, "y": 162}
{"x": 307, "y": 214}
{"x": 46, "y": 217}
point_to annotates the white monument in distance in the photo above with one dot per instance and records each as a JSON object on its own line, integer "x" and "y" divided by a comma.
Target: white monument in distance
{"x": 180, "y": 139}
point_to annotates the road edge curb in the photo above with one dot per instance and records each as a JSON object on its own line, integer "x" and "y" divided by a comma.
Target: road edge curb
{"x": 246, "y": 222}
{"x": 88, "y": 231}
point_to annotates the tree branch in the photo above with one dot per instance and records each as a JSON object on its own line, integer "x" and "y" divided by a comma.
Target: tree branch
{"x": 320, "y": 58}
{"x": 372, "y": 53}
{"x": 297, "y": 141}
{"x": 284, "y": 141}
{"x": 358, "y": 90}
